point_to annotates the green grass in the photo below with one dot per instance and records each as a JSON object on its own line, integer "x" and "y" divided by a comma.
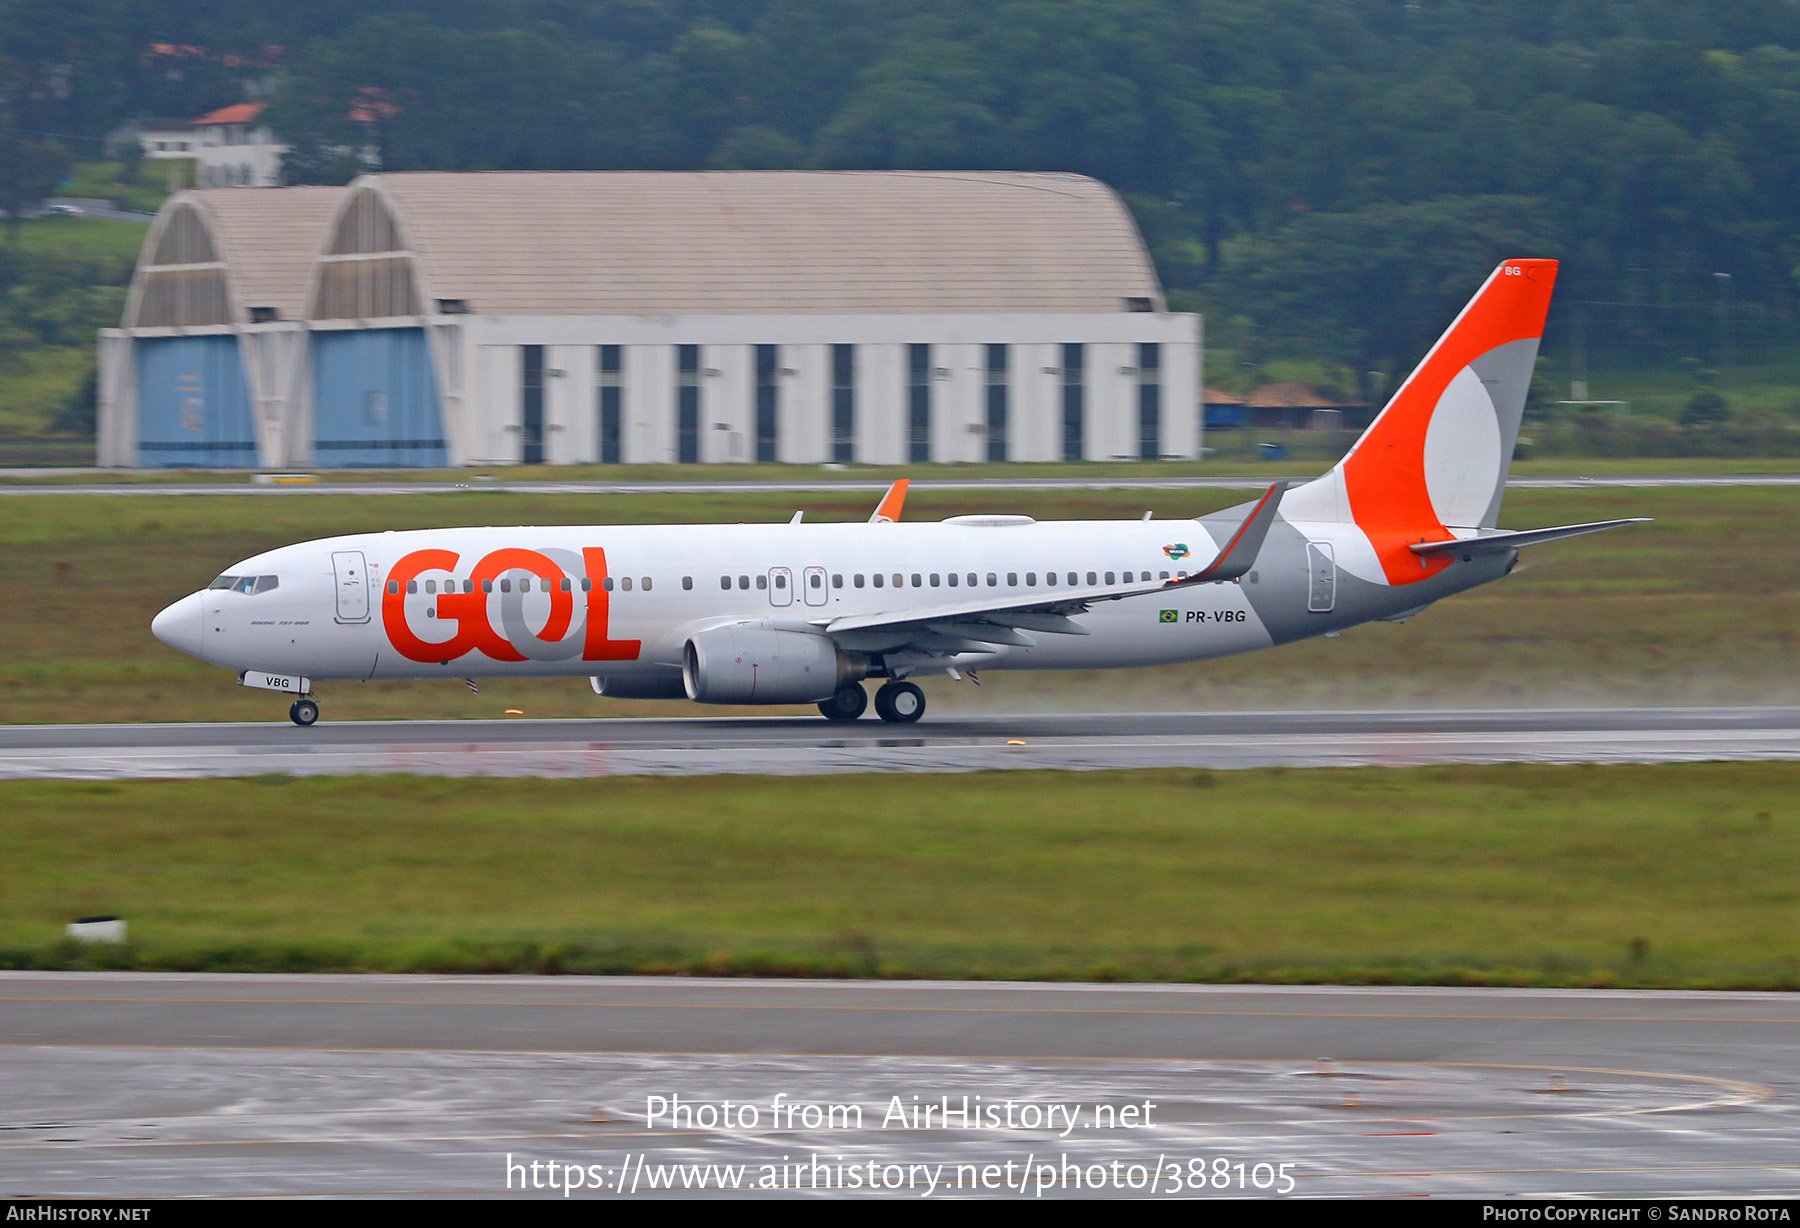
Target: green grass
{"x": 82, "y": 236}
{"x": 1671, "y": 875}
{"x": 1702, "y": 606}
{"x": 41, "y": 384}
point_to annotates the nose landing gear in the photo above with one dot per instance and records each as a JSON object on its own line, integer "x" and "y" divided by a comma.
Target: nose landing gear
{"x": 304, "y": 712}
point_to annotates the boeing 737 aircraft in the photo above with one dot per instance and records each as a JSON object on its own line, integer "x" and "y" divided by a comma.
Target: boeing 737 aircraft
{"x": 804, "y": 613}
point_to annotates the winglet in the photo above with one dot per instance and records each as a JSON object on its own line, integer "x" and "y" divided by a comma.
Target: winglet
{"x": 1239, "y": 554}
{"x": 888, "y": 511}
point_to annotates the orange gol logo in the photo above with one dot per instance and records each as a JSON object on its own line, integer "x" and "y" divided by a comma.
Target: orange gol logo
{"x": 472, "y": 612}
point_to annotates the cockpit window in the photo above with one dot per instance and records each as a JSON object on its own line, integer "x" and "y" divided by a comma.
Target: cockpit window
{"x": 247, "y": 584}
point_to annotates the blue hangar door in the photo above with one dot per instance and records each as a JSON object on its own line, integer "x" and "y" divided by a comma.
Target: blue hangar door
{"x": 194, "y": 403}
{"x": 375, "y": 400}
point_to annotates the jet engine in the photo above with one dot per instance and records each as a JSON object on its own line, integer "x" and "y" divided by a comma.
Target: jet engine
{"x": 749, "y": 664}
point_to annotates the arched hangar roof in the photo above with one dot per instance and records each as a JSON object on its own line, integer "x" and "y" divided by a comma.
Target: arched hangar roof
{"x": 214, "y": 254}
{"x": 731, "y": 242}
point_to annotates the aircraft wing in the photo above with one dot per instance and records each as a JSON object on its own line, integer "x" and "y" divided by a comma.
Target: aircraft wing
{"x": 962, "y": 626}
{"x": 1492, "y": 541}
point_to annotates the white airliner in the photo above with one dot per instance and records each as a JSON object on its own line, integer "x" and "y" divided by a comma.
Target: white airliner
{"x": 804, "y": 613}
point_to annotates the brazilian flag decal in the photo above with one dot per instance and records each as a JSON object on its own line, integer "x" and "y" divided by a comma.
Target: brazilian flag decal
{"x": 1168, "y": 616}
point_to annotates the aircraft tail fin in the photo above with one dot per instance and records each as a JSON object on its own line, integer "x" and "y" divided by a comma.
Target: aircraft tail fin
{"x": 1436, "y": 458}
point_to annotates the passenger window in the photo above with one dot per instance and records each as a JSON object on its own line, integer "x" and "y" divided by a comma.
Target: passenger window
{"x": 393, "y": 587}
{"x": 858, "y": 579}
{"x": 506, "y": 586}
{"x": 1074, "y": 579}
{"x": 994, "y": 580}
{"x": 762, "y": 582}
{"x": 646, "y": 585}
{"x": 412, "y": 586}
{"x": 687, "y": 582}
{"x": 1031, "y": 579}
{"x": 566, "y": 586}
{"x": 1012, "y": 579}
{"x": 952, "y": 579}
{"x": 899, "y": 582}
{"x": 1109, "y": 578}
{"x": 607, "y": 584}
{"x": 468, "y": 586}
{"x": 1093, "y": 580}
{"x": 1181, "y": 575}
{"x": 743, "y": 582}
{"x": 1162, "y": 575}
{"x": 625, "y": 583}
{"x": 837, "y": 581}
{"x": 814, "y": 581}
{"x": 724, "y": 581}
{"x": 973, "y": 579}
{"x": 879, "y": 579}
{"x": 431, "y": 586}
{"x": 780, "y": 581}
{"x": 934, "y": 579}
{"x": 587, "y": 584}
{"x": 525, "y": 586}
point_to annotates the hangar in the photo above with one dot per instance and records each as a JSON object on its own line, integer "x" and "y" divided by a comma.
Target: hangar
{"x": 435, "y": 318}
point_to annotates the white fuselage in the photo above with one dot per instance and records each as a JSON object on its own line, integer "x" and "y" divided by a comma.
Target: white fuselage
{"x": 323, "y": 620}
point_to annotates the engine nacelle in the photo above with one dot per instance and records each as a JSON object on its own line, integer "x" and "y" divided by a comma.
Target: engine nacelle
{"x": 761, "y": 665}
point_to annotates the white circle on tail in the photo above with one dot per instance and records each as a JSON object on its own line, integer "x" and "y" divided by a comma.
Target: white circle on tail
{"x": 1462, "y": 452}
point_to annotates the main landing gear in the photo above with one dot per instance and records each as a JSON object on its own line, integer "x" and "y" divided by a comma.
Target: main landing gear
{"x": 899, "y": 703}
{"x": 304, "y": 712}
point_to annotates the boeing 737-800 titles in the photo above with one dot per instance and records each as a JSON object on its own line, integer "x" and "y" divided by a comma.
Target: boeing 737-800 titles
{"x": 804, "y": 613}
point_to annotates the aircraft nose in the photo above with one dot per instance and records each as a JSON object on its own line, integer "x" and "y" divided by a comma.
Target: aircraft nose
{"x": 179, "y": 625}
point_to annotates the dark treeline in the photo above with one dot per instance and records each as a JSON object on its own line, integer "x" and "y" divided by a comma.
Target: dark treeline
{"x": 1334, "y": 172}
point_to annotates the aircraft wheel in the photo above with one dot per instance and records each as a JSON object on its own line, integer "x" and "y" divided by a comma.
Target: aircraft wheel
{"x": 900, "y": 703}
{"x": 849, "y": 703}
{"x": 304, "y": 712}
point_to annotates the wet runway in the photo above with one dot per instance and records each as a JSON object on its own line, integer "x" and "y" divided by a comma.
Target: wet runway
{"x": 123, "y": 1084}
{"x": 810, "y": 745}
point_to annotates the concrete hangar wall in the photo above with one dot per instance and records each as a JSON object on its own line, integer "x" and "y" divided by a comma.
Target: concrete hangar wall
{"x": 634, "y": 317}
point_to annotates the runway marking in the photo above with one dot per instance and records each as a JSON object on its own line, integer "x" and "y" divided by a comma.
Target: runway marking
{"x": 889, "y": 1009}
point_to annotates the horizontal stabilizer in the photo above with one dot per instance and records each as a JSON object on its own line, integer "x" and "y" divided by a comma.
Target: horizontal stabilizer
{"x": 1491, "y": 542}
